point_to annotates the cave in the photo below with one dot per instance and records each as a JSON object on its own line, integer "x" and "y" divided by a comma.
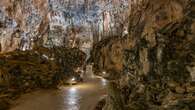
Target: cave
{"x": 97, "y": 54}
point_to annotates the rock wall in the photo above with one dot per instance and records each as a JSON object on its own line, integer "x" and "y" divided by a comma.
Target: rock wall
{"x": 152, "y": 67}
{"x": 21, "y": 20}
{"x": 26, "y": 71}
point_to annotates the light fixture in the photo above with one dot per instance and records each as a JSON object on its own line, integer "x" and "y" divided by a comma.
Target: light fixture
{"x": 104, "y": 72}
{"x": 73, "y": 79}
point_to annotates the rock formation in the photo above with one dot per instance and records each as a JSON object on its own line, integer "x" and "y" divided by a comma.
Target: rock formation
{"x": 27, "y": 21}
{"x": 26, "y": 71}
{"x": 153, "y": 67}
{"x": 150, "y": 64}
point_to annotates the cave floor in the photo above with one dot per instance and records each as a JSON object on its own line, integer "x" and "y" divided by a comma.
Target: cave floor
{"x": 83, "y": 96}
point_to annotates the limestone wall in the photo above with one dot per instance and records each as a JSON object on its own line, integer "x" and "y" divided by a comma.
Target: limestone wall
{"x": 154, "y": 63}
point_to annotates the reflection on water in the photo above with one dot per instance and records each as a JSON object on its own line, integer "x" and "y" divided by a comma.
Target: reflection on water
{"x": 74, "y": 95}
{"x": 83, "y": 96}
{"x": 73, "y": 99}
{"x": 104, "y": 81}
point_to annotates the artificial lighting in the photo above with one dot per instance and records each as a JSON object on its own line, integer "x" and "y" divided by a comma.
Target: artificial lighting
{"x": 104, "y": 72}
{"x": 73, "y": 90}
{"x": 103, "y": 81}
{"x": 73, "y": 79}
